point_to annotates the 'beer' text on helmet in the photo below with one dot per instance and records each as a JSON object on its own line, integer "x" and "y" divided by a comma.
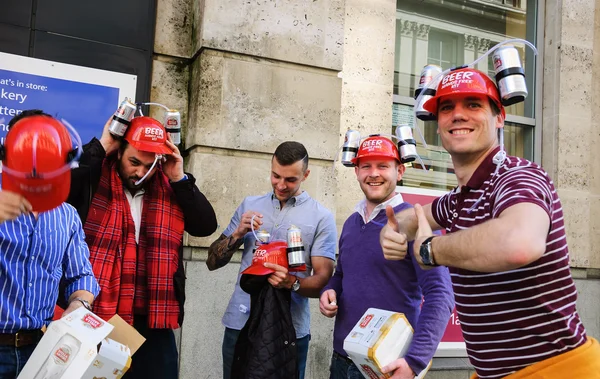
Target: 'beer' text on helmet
{"x": 36, "y": 161}
{"x": 147, "y": 134}
{"x": 377, "y": 146}
{"x": 465, "y": 81}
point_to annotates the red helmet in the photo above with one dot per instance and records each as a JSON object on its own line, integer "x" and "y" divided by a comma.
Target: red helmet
{"x": 35, "y": 161}
{"x": 465, "y": 81}
{"x": 147, "y": 134}
{"x": 377, "y": 147}
{"x": 272, "y": 252}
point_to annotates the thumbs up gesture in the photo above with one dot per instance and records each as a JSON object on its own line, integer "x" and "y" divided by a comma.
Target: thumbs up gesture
{"x": 423, "y": 231}
{"x": 393, "y": 243}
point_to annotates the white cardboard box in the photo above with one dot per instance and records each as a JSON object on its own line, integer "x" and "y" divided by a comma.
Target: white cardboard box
{"x": 379, "y": 338}
{"x": 70, "y": 345}
{"x": 114, "y": 357}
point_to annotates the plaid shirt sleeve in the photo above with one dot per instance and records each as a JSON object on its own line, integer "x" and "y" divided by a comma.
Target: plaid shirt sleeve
{"x": 77, "y": 269}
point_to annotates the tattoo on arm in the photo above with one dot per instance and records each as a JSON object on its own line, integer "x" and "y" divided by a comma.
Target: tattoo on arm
{"x": 221, "y": 251}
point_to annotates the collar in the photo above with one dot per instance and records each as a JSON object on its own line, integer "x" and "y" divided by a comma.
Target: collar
{"x": 293, "y": 201}
{"x": 361, "y": 207}
{"x": 483, "y": 171}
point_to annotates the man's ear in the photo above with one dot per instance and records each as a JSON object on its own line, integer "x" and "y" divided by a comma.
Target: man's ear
{"x": 306, "y": 174}
{"x": 401, "y": 170}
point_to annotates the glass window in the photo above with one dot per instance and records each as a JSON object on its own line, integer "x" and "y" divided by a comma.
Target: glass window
{"x": 451, "y": 33}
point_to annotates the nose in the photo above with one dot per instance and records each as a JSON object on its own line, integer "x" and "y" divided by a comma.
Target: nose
{"x": 373, "y": 172}
{"x": 458, "y": 113}
{"x": 141, "y": 171}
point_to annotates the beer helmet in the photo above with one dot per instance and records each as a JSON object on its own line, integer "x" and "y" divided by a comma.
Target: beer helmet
{"x": 376, "y": 146}
{"x": 465, "y": 81}
{"x": 37, "y": 157}
{"x": 148, "y": 135}
{"x": 273, "y": 252}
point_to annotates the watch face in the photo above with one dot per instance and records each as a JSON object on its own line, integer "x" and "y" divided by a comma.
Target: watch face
{"x": 425, "y": 253}
{"x": 296, "y": 285}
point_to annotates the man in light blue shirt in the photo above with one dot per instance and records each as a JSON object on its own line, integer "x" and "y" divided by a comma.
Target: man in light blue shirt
{"x": 275, "y": 212}
{"x": 37, "y": 250}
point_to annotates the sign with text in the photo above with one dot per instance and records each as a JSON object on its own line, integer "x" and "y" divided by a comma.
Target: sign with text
{"x": 452, "y": 344}
{"x": 83, "y": 96}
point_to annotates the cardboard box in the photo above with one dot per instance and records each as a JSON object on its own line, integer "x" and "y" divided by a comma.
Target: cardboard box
{"x": 114, "y": 356}
{"x": 379, "y": 338}
{"x": 70, "y": 345}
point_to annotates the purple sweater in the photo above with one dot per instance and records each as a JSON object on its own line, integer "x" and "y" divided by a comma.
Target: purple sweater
{"x": 365, "y": 279}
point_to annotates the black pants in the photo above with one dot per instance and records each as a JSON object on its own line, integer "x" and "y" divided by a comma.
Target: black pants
{"x": 157, "y": 357}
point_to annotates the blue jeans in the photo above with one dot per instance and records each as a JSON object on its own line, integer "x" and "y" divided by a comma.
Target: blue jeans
{"x": 230, "y": 338}
{"x": 343, "y": 368}
{"x": 157, "y": 357}
{"x": 13, "y": 359}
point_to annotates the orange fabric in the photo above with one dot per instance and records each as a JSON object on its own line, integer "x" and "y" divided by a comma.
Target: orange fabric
{"x": 580, "y": 363}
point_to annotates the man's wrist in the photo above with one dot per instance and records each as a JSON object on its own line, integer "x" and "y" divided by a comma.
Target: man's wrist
{"x": 179, "y": 178}
{"x": 86, "y": 304}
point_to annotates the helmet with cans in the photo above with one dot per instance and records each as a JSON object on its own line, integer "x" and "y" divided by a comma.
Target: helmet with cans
{"x": 376, "y": 146}
{"x": 273, "y": 252}
{"x": 147, "y": 134}
{"x": 37, "y": 157}
{"x": 464, "y": 81}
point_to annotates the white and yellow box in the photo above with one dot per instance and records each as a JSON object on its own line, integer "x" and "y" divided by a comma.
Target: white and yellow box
{"x": 70, "y": 346}
{"x": 379, "y": 338}
{"x": 114, "y": 356}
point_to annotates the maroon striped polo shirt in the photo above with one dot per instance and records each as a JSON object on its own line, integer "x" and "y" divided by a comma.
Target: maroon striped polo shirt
{"x": 512, "y": 319}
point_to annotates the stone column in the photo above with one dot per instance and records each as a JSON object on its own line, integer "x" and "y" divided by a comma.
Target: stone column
{"x": 405, "y": 55}
{"x": 261, "y": 73}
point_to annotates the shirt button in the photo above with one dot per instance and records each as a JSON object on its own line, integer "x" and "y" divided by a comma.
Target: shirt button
{"x": 30, "y": 284}
{"x": 363, "y": 228}
{"x": 455, "y": 214}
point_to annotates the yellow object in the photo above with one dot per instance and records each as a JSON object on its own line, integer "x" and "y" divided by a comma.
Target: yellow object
{"x": 580, "y": 363}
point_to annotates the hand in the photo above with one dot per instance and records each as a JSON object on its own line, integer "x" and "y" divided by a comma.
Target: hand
{"x": 109, "y": 142}
{"x": 423, "y": 232}
{"x": 328, "y": 303}
{"x": 12, "y": 205}
{"x": 393, "y": 243}
{"x": 244, "y": 226}
{"x": 280, "y": 278}
{"x": 73, "y": 305}
{"x": 173, "y": 167}
{"x": 401, "y": 369}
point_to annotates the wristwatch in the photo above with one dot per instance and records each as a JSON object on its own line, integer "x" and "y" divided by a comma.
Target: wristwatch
{"x": 86, "y": 304}
{"x": 426, "y": 252}
{"x": 296, "y": 285}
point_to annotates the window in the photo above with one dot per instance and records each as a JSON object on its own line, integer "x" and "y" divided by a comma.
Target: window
{"x": 450, "y": 33}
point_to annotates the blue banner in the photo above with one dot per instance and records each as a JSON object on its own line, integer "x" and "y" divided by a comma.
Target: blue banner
{"x": 85, "y": 106}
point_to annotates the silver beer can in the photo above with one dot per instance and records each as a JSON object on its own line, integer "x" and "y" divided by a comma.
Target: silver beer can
{"x": 406, "y": 144}
{"x": 295, "y": 249}
{"x": 350, "y": 148}
{"x": 122, "y": 118}
{"x": 173, "y": 125}
{"x": 510, "y": 76}
{"x": 428, "y": 74}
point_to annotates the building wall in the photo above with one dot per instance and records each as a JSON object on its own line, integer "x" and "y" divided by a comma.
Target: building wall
{"x": 251, "y": 75}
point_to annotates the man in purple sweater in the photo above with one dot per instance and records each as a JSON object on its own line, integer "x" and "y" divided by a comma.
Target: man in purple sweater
{"x": 364, "y": 278}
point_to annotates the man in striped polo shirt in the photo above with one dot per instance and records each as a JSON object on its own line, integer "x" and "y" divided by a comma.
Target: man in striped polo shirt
{"x": 505, "y": 244}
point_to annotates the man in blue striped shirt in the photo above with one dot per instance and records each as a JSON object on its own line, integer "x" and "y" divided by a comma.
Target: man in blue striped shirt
{"x": 37, "y": 250}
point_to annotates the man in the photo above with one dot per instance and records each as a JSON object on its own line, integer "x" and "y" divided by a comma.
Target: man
{"x": 135, "y": 211}
{"x": 506, "y": 245}
{"x": 38, "y": 247}
{"x": 364, "y": 279}
{"x": 275, "y": 212}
